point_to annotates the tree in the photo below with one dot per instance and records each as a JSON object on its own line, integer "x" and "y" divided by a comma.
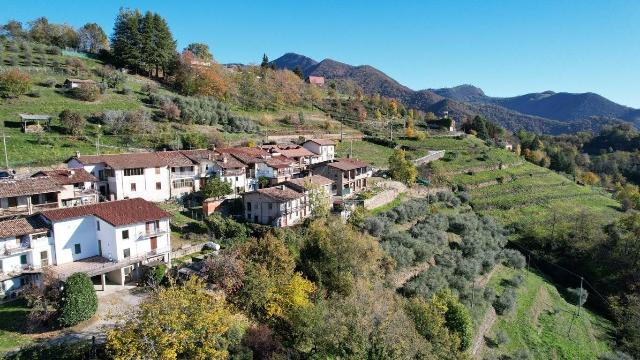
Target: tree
{"x": 126, "y": 39}
{"x": 13, "y": 30}
{"x": 457, "y": 317}
{"x": 265, "y": 62}
{"x": 14, "y": 83}
{"x": 79, "y": 300}
{"x": 334, "y": 255}
{"x": 430, "y": 322}
{"x": 44, "y": 298}
{"x": 401, "y": 168}
{"x": 178, "y": 322}
{"x": 73, "y": 122}
{"x": 225, "y": 271}
{"x": 216, "y": 189}
{"x": 272, "y": 290}
{"x": 298, "y": 71}
{"x": 92, "y": 39}
{"x": 200, "y": 51}
{"x": 40, "y": 30}
{"x": 589, "y": 178}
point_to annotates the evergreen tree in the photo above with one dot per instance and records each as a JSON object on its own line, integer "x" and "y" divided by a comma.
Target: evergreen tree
{"x": 165, "y": 46}
{"x": 298, "y": 72}
{"x": 126, "y": 39}
{"x": 265, "y": 61}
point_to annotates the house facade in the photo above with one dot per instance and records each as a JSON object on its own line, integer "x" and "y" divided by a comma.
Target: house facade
{"x": 111, "y": 240}
{"x": 78, "y": 186}
{"x": 317, "y": 188}
{"x": 20, "y": 197}
{"x": 124, "y": 176}
{"x": 350, "y": 176}
{"x": 278, "y": 206}
{"x": 324, "y": 149}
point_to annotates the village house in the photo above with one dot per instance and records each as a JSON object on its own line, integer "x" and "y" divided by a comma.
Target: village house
{"x": 349, "y": 175}
{"x": 278, "y": 206}
{"x": 110, "y": 240}
{"x": 27, "y": 196}
{"x": 316, "y": 80}
{"x": 277, "y": 169}
{"x": 302, "y": 156}
{"x": 250, "y": 157}
{"x": 184, "y": 173}
{"x": 229, "y": 169}
{"x": 78, "y": 186}
{"x": 123, "y": 176}
{"x": 325, "y": 149}
{"x": 315, "y": 186}
{"x": 24, "y": 248}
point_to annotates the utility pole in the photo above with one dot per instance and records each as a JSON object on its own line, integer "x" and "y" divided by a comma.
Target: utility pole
{"x": 341, "y": 133}
{"x": 577, "y": 313}
{"x": 351, "y": 149}
{"x": 4, "y": 143}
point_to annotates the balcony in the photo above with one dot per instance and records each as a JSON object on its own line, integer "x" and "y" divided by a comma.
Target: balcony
{"x": 15, "y": 250}
{"x": 79, "y": 192}
{"x": 151, "y": 233}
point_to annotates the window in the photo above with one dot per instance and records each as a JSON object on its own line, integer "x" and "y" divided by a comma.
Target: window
{"x": 158, "y": 185}
{"x": 98, "y": 225}
{"x": 157, "y": 171}
{"x": 13, "y": 201}
{"x": 127, "y": 253}
{"x": 44, "y": 258}
{"x": 270, "y": 206}
{"x": 77, "y": 249}
{"x": 182, "y": 183}
{"x": 23, "y": 259}
{"x": 134, "y": 171}
{"x": 248, "y": 206}
{"x": 133, "y": 186}
{"x": 125, "y": 234}
{"x": 51, "y": 197}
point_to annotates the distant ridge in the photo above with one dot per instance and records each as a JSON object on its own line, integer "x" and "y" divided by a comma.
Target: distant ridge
{"x": 545, "y": 112}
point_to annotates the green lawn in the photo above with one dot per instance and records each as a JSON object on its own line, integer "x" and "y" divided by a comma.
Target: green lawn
{"x": 12, "y": 322}
{"x": 374, "y": 154}
{"x": 543, "y": 323}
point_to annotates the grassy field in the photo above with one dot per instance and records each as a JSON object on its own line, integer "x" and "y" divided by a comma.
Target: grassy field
{"x": 376, "y": 155}
{"x": 12, "y": 315}
{"x": 543, "y": 323}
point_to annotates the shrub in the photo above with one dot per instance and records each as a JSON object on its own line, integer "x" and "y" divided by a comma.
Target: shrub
{"x": 573, "y": 296}
{"x": 73, "y": 122}
{"x": 54, "y": 50}
{"x": 618, "y": 355}
{"x": 13, "y": 61}
{"x": 42, "y": 61}
{"x": 14, "y": 83}
{"x": 86, "y": 92}
{"x": 114, "y": 121}
{"x": 79, "y": 300}
{"x": 489, "y": 294}
{"x": 149, "y": 88}
{"x": 521, "y": 354}
{"x": 126, "y": 90}
{"x": 155, "y": 275}
{"x": 501, "y": 337}
{"x": 505, "y": 302}
{"x": 515, "y": 281}
{"x": 103, "y": 88}
{"x": 514, "y": 258}
{"x": 171, "y": 110}
{"x": 51, "y": 82}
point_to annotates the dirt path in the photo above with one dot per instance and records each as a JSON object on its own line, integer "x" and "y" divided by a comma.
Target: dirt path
{"x": 401, "y": 277}
{"x": 478, "y": 341}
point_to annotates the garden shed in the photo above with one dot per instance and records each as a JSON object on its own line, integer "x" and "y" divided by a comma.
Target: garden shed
{"x": 33, "y": 123}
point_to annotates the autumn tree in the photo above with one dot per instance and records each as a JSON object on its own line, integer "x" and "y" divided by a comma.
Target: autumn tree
{"x": 589, "y": 178}
{"x": 200, "y": 51}
{"x": 272, "y": 289}
{"x": 14, "y": 83}
{"x": 43, "y": 299}
{"x": 401, "y": 168}
{"x": 200, "y": 80}
{"x": 92, "y": 38}
{"x": 334, "y": 255}
{"x": 73, "y": 122}
{"x": 178, "y": 322}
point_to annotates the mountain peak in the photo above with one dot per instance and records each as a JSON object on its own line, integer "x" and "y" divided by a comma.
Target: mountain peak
{"x": 464, "y": 92}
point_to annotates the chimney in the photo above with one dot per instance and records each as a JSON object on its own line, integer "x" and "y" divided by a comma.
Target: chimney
{"x": 77, "y": 153}
{"x": 224, "y": 159}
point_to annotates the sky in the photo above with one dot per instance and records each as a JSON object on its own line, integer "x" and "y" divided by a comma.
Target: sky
{"x": 507, "y": 48}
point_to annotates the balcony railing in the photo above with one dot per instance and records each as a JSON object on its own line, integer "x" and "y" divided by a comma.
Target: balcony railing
{"x": 24, "y": 209}
{"x": 151, "y": 233}
{"x": 15, "y": 250}
{"x": 84, "y": 192}
{"x": 183, "y": 174}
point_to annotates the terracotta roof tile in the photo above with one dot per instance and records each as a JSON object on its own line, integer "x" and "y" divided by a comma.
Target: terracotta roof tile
{"x": 67, "y": 176}
{"x": 125, "y": 161}
{"x": 280, "y": 193}
{"x": 116, "y": 213}
{"x": 28, "y": 186}
{"x": 175, "y": 158}
{"x": 22, "y": 226}
{"x": 348, "y": 164}
{"x": 313, "y": 179}
{"x": 322, "y": 141}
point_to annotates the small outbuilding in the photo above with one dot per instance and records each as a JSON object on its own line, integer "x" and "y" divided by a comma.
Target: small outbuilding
{"x": 316, "y": 80}
{"x": 34, "y": 123}
{"x": 74, "y": 83}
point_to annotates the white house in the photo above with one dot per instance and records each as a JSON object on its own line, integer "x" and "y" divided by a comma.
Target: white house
{"x": 124, "y": 176}
{"x": 277, "y": 169}
{"x": 313, "y": 185}
{"x": 25, "y": 246}
{"x": 111, "y": 239}
{"x": 278, "y": 206}
{"x": 251, "y": 158}
{"x": 324, "y": 148}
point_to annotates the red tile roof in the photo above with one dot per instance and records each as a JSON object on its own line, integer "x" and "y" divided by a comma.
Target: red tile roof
{"x": 23, "y": 226}
{"x": 125, "y": 161}
{"x": 295, "y": 151}
{"x": 116, "y": 213}
{"x": 313, "y": 179}
{"x": 67, "y": 176}
{"x": 347, "y": 164}
{"x": 324, "y": 142}
{"x": 28, "y": 186}
{"x": 247, "y": 155}
{"x": 279, "y": 162}
{"x": 175, "y": 158}
{"x": 279, "y": 193}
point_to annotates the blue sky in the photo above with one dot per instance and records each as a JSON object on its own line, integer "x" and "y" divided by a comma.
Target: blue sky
{"x": 505, "y": 47}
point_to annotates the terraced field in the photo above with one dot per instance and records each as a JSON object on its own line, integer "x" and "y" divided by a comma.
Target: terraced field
{"x": 544, "y": 324}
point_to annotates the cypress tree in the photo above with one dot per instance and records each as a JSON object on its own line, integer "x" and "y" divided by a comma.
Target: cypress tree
{"x": 265, "y": 61}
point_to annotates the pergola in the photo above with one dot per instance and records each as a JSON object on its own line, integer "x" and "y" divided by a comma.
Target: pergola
{"x": 31, "y": 123}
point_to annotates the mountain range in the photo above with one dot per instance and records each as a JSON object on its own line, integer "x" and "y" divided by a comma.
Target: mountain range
{"x": 545, "y": 112}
